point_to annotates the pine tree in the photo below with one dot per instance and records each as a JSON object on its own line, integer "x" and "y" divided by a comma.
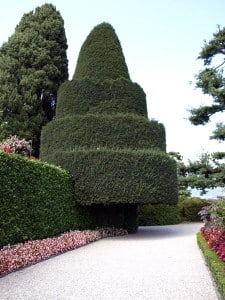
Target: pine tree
{"x": 211, "y": 81}
{"x": 33, "y": 64}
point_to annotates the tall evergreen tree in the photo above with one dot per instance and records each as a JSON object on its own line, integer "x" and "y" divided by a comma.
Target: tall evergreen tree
{"x": 33, "y": 63}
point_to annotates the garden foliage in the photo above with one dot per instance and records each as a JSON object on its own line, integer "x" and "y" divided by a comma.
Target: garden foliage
{"x": 36, "y": 200}
{"x": 25, "y": 254}
{"x": 91, "y": 96}
{"x": 189, "y": 208}
{"x": 14, "y": 144}
{"x": 105, "y": 175}
{"x": 33, "y": 64}
{"x": 211, "y": 240}
{"x": 215, "y": 264}
{"x": 211, "y": 81}
{"x": 102, "y": 136}
{"x": 158, "y": 214}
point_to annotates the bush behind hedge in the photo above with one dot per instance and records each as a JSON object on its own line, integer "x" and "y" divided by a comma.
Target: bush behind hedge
{"x": 101, "y": 130}
{"x": 158, "y": 214}
{"x": 120, "y": 176}
{"x": 36, "y": 200}
{"x": 109, "y": 96}
{"x": 190, "y": 207}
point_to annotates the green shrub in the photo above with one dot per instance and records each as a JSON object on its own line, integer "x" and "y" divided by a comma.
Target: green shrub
{"x": 158, "y": 214}
{"x": 111, "y": 96}
{"x": 190, "y": 207}
{"x": 95, "y": 131}
{"x": 215, "y": 264}
{"x": 36, "y": 200}
{"x": 107, "y": 176}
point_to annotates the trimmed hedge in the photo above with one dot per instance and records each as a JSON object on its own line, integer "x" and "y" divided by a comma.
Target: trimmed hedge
{"x": 36, "y": 200}
{"x": 108, "y": 176}
{"x": 94, "y": 131}
{"x": 101, "y": 56}
{"x": 110, "y": 96}
{"x": 215, "y": 264}
{"x": 190, "y": 207}
{"x": 158, "y": 214}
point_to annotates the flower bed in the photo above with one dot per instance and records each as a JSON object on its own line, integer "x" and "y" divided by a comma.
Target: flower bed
{"x": 211, "y": 240}
{"x": 25, "y": 254}
{"x": 215, "y": 264}
{"x": 216, "y": 240}
{"x": 213, "y": 231}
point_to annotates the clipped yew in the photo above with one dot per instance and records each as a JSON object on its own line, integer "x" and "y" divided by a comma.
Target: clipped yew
{"x": 102, "y": 136}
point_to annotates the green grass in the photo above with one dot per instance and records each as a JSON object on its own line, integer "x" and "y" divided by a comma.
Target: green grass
{"x": 215, "y": 264}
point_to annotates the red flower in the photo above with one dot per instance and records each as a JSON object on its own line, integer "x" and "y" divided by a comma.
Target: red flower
{"x": 6, "y": 149}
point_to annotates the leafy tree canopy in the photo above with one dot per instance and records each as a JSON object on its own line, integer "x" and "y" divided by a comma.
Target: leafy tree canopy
{"x": 212, "y": 82}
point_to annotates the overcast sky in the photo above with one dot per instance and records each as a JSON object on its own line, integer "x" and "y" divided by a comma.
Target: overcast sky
{"x": 161, "y": 40}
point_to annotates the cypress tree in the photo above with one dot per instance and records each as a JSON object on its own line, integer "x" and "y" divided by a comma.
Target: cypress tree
{"x": 102, "y": 135}
{"x": 33, "y": 64}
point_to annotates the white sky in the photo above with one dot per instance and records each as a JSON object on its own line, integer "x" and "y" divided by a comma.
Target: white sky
{"x": 161, "y": 40}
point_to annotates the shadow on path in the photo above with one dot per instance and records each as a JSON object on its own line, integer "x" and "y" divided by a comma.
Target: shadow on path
{"x": 169, "y": 231}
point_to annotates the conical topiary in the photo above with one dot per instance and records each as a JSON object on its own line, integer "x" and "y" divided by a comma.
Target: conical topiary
{"x": 101, "y": 56}
{"x": 101, "y": 134}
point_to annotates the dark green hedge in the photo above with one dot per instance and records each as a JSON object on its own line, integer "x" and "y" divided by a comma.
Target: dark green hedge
{"x": 101, "y": 56}
{"x": 110, "y": 96}
{"x": 215, "y": 264}
{"x": 120, "y": 176}
{"x": 92, "y": 131}
{"x": 158, "y": 214}
{"x": 36, "y": 200}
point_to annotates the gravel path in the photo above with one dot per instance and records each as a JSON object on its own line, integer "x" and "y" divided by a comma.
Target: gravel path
{"x": 157, "y": 263}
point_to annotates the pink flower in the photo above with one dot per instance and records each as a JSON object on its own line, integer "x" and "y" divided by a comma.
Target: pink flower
{"x": 24, "y": 254}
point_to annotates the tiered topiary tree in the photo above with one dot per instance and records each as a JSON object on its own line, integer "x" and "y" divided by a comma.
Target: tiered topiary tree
{"x": 102, "y": 135}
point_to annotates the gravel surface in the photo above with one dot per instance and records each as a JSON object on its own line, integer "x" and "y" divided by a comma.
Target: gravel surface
{"x": 157, "y": 263}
